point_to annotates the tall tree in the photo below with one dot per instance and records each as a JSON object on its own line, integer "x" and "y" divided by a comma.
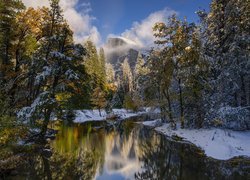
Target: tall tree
{"x": 9, "y": 10}
{"x": 226, "y": 49}
{"x": 110, "y": 73}
{"x": 227, "y": 46}
{"x": 102, "y": 62}
{"x": 140, "y": 74}
{"x": 180, "y": 52}
{"x": 127, "y": 77}
{"x": 92, "y": 64}
{"x": 98, "y": 99}
{"x": 53, "y": 67}
{"x": 158, "y": 85}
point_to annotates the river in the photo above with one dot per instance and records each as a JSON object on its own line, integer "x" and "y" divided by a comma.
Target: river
{"x": 125, "y": 151}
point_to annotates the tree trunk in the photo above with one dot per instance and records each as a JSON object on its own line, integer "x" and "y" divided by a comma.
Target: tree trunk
{"x": 100, "y": 114}
{"x": 247, "y": 79}
{"x": 170, "y": 113}
{"x": 45, "y": 124}
{"x": 163, "y": 119}
{"x": 6, "y": 58}
{"x": 17, "y": 65}
{"x": 181, "y": 104}
{"x": 181, "y": 163}
{"x": 243, "y": 92}
{"x": 47, "y": 170}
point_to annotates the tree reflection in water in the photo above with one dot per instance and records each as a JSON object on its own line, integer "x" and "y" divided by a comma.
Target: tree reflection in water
{"x": 164, "y": 159}
{"x": 167, "y": 159}
{"x": 129, "y": 151}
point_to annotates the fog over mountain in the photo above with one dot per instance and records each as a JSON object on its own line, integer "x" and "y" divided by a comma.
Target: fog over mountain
{"x": 117, "y": 49}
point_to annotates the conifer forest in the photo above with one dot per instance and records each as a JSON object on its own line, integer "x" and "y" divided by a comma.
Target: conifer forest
{"x": 167, "y": 99}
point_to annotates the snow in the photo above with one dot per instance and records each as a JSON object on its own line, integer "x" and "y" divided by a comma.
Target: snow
{"x": 42, "y": 76}
{"x": 123, "y": 113}
{"x": 217, "y": 143}
{"x": 129, "y": 41}
{"x": 60, "y": 55}
{"x": 154, "y": 123}
{"x": 93, "y": 115}
{"x": 26, "y": 112}
{"x": 71, "y": 74}
{"x": 89, "y": 115}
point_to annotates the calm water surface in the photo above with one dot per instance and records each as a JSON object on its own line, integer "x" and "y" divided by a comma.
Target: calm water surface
{"x": 128, "y": 151}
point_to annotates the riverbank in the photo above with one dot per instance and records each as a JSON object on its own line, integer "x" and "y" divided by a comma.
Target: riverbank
{"x": 94, "y": 115}
{"x": 222, "y": 144}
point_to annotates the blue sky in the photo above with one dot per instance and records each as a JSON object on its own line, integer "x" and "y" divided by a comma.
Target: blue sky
{"x": 132, "y": 19}
{"x": 114, "y": 16}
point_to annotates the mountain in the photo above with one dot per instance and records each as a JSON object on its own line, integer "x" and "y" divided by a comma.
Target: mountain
{"x": 118, "y": 49}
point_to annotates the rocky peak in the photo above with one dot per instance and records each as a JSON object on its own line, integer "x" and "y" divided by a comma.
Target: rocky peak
{"x": 118, "y": 49}
{"x": 115, "y": 42}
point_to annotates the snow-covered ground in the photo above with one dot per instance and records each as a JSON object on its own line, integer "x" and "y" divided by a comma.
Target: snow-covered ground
{"x": 217, "y": 143}
{"x": 93, "y": 115}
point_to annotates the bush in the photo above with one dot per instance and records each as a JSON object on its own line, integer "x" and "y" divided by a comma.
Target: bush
{"x": 10, "y": 131}
{"x": 129, "y": 103}
{"x": 236, "y": 118}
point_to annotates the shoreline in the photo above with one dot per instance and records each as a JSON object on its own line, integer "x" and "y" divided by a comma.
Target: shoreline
{"x": 219, "y": 144}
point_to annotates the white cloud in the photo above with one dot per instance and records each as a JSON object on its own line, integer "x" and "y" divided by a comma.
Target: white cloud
{"x": 80, "y": 22}
{"x": 38, "y": 3}
{"x": 142, "y": 33}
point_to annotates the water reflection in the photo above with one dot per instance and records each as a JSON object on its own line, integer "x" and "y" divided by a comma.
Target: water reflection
{"x": 129, "y": 152}
{"x": 115, "y": 153}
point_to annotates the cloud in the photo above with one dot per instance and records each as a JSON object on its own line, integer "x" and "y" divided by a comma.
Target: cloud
{"x": 142, "y": 33}
{"x": 81, "y": 22}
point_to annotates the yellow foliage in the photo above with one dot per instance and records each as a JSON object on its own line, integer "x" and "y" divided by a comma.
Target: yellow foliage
{"x": 111, "y": 87}
{"x": 10, "y": 132}
{"x": 63, "y": 96}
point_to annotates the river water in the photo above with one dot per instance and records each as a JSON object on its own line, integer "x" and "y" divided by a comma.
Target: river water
{"x": 125, "y": 151}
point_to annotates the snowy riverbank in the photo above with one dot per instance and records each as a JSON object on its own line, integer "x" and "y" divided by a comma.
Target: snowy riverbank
{"x": 93, "y": 115}
{"x": 217, "y": 143}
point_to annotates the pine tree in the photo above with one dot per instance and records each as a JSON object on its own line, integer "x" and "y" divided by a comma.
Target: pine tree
{"x": 92, "y": 64}
{"x": 53, "y": 67}
{"x": 8, "y": 12}
{"x": 102, "y": 64}
{"x": 227, "y": 53}
{"x": 158, "y": 85}
{"x": 110, "y": 73}
{"x": 98, "y": 99}
{"x": 141, "y": 71}
{"x": 127, "y": 77}
{"x": 182, "y": 68}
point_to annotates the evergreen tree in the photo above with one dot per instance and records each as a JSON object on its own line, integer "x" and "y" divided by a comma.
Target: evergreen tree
{"x": 182, "y": 56}
{"x": 102, "y": 64}
{"x": 96, "y": 68}
{"x": 158, "y": 85}
{"x": 110, "y": 73}
{"x": 140, "y": 75}
{"x": 9, "y": 10}
{"x": 92, "y": 64}
{"x": 98, "y": 99}
{"x": 227, "y": 53}
{"x": 53, "y": 67}
{"x": 127, "y": 77}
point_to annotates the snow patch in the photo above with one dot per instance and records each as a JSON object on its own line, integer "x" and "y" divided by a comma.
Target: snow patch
{"x": 154, "y": 123}
{"x": 217, "y": 143}
{"x": 128, "y": 41}
{"x": 93, "y": 115}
